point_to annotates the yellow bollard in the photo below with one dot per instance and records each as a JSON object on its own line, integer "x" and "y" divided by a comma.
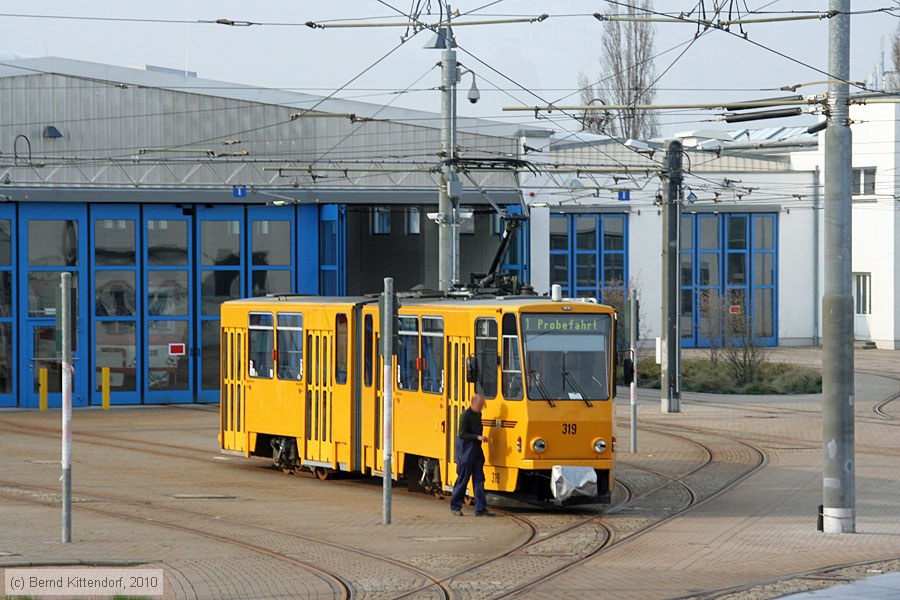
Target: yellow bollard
{"x": 43, "y": 380}
{"x": 104, "y": 386}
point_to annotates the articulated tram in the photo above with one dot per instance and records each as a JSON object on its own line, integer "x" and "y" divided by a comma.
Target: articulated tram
{"x": 301, "y": 384}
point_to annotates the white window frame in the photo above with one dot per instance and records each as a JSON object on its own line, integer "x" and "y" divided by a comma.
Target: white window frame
{"x": 863, "y": 183}
{"x": 380, "y": 220}
{"x": 862, "y": 294}
{"x": 413, "y": 221}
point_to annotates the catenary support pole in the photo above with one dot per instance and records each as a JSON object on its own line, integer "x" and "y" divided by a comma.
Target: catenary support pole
{"x": 387, "y": 353}
{"x": 632, "y": 338}
{"x": 671, "y": 342}
{"x": 448, "y": 229}
{"x": 65, "y": 287}
{"x": 838, "y": 470}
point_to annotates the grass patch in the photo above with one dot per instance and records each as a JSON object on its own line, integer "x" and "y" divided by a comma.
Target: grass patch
{"x": 699, "y": 375}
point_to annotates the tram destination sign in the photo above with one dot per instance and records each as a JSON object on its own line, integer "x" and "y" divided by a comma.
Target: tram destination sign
{"x": 577, "y": 324}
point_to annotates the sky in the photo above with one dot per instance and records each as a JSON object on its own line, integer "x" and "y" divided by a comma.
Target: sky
{"x": 521, "y": 63}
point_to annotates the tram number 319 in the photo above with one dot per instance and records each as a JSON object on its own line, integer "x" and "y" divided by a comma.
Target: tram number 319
{"x": 570, "y": 428}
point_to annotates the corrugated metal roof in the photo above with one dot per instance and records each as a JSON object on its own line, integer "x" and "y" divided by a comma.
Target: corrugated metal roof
{"x": 219, "y": 89}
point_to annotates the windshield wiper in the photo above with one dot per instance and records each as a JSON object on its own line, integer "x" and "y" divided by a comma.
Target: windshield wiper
{"x": 534, "y": 377}
{"x": 571, "y": 378}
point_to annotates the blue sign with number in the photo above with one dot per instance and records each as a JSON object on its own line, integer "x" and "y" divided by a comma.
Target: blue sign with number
{"x": 624, "y": 195}
{"x": 239, "y": 191}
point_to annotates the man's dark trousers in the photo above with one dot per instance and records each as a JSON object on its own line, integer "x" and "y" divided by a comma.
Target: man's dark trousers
{"x": 465, "y": 471}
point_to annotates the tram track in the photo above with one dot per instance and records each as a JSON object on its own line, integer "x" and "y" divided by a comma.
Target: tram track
{"x": 614, "y": 534}
{"x": 341, "y": 587}
{"x": 617, "y": 536}
{"x": 724, "y": 592}
{"x": 160, "y": 516}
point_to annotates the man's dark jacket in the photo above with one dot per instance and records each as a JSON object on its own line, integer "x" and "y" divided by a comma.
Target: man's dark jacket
{"x": 468, "y": 446}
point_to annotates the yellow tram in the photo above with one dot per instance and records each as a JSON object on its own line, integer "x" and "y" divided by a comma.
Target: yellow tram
{"x": 301, "y": 384}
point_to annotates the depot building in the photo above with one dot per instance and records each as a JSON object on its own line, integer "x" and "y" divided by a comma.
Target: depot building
{"x": 165, "y": 194}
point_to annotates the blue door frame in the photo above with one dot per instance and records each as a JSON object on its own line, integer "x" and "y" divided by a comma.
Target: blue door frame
{"x": 307, "y": 249}
{"x": 146, "y": 318}
{"x": 167, "y": 243}
{"x": 9, "y": 378}
{"x": 116, "y": 303}
{"x": 66, "y": 236}
{"x": 729, "y": 267}
{"x": 220, "y": 275}
{"x": 332, "y": 250}
{"x": 271, "y": 265}
{"x": 592, "y": 263}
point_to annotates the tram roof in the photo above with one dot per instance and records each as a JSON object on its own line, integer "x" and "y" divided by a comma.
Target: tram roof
{"x": 446, "y": 301}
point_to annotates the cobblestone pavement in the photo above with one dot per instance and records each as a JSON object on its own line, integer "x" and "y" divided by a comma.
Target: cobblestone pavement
{"x": 720, "y": 501}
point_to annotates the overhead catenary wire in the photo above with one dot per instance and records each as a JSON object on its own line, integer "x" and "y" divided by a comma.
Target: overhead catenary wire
{"x": 523, "y": 88}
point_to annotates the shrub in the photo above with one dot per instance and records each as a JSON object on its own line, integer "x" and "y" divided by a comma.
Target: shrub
{"x": 698, "y": 375}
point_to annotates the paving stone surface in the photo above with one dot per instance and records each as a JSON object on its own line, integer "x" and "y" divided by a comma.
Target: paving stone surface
{"x": 721, "y": 499}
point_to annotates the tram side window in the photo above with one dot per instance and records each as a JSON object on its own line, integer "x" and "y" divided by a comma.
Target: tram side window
{"x": 433, "y": 355}
{"x": 408, "y": 359}
{"x": 512, "y": 365}
{"x": 261, "y": 339}
{"x": 368, "y": 343}
{"x": 487, "y": 357}
{"x": 340, "y": 349}
{"x": 290, "y": 346}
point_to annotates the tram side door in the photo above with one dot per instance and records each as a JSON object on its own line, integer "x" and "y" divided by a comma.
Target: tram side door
{"x": 319, "y": 396}
{"x": 232, "y": 411}
{"x": 458, "y": 393}
{"x": 370, "y": 390}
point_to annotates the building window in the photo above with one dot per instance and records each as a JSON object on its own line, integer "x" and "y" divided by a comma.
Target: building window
{"x": 862, "y": 286}
{"x": 466, "y": 221}
{"x": 381, "y": 221}
{"x": 863, "y": 182}
{"x": 496, "y": 224}
{"x": 413, "y": 220}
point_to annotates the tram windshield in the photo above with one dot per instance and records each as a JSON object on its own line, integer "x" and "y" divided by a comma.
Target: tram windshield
{"x": 566, "y": 356}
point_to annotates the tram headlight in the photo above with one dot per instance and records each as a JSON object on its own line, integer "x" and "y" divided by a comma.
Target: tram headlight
{"x": 599, "y": 445}
{"x": 538, "y": 445}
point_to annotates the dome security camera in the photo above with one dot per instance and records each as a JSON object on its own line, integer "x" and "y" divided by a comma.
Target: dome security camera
{"x": 474, "y": 95}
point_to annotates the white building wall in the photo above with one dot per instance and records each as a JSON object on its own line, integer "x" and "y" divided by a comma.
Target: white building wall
{"x": 876, "y": 218}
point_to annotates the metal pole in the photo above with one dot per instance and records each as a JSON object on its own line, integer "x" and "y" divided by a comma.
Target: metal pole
{"x": 448, "y": 230}
{"x": 65, "y": 286}
{"x": 838, "y": 477}
{"x": 671, "y": 347}
{"x": 387, "y": 352}
{"x": 632, "y": 335}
